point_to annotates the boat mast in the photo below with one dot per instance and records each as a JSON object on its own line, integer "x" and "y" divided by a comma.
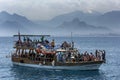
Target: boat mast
{"x": 19, "y": 37}
{"x": 72, "y": 43}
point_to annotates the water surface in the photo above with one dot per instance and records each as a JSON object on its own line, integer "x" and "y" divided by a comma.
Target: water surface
{"x": 108, "y": 71}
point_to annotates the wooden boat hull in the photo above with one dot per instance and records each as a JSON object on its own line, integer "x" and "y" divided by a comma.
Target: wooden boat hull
{"x": 76, "y": 67}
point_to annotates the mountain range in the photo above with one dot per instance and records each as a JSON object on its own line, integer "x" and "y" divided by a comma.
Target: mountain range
{"x": 81, "y": 27}
{"x": 56, "y": 21}
{"x": 111, "y": 19}
{"x": 13, "y": 22}
{"x": 77, "y": 22}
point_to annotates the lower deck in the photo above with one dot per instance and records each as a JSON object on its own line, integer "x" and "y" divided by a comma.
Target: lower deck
{"x": 53, "y": 63}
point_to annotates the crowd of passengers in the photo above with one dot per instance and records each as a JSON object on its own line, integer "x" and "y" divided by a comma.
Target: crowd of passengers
{"x": 34, "y": 56}
{"x": 99, "y": 55}
{"x": 27, "y": 42}
{"x": 72, "y": 57}
{"x": 61, "y": 57}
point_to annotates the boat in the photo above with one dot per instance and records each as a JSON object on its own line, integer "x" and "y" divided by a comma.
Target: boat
{"x": 43, "y": 54}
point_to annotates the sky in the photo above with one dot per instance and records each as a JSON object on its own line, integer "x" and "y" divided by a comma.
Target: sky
{"x": 47, "y": 9}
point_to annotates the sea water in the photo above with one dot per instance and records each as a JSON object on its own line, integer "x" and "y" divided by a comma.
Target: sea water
{"x": 108, "y": 71}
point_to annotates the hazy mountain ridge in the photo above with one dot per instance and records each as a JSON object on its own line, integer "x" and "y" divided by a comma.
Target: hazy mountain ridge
{"x": 88, "y": 17}
{"x": 101, "y": 23}
{"x": 14, "y": 22}
{"x": 4, "y": 16}
{"x": 11, "y": 23}
{"x": 111, "y": 19}
{"x": 77, "y": 22}
{"x": 81, "y": 27}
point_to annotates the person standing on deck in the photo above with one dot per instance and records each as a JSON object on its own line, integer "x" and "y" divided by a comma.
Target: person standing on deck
{"x": 53, "y": 44}
{"x": 42, "y": 39}
{"x": 103, "y": 55}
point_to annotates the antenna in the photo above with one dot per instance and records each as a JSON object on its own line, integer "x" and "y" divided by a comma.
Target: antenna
{"x": 72, "y": 43}
{"x": 71, "y": 37}
{"x": 19, "y": 37}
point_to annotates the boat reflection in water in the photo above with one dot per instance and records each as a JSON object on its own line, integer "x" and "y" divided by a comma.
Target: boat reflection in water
{"x": 28, "y": 73}
{"x": 43, "y": 54}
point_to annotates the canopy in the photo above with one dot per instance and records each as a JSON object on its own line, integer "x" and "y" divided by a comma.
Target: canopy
{"x": 64, "y": 50}
{"x": 24, "y": 35}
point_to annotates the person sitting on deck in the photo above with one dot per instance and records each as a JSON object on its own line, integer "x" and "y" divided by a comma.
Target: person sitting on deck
{"x": 88, "y": 57}
{"x": 27, "y": 42}
{"x": 18, "y": 43}
{"x": 38, "y": 50}
{"x": 24, "y": 39}
{"x": 46, "y": 41}
{"x": 42, "y": 39}
{"x": 99, "y": 55}
{"x": 103, "y": 55}
{"x": 39, "y": 45}
{"x": 47, "y": 44}
{"x": 64, "y": 45}
{"x": 96, "y": 53}
{"x": 92, "y": 57}
{"x": 79, "y": 57}
{"x": 69, "y": 57}
{"x": 24, "y": 42}
{"x": 85, "y": 56}
{"x": 53, "y": 44}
